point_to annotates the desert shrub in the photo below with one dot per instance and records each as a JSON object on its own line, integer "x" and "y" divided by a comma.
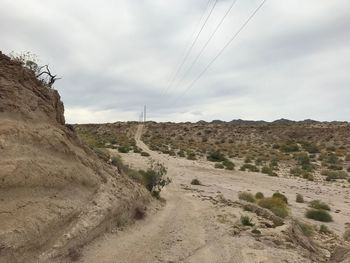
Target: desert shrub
{"x": 346, "y": 235}
{"x": 348, "y": 169}
{"x": 324, "y": 229}
{"x": 249, "y": 167}
{"x": 219, "y": 166}
{"x": 308, "y": 176}
{"x": 289, "y": 147}
{"x": 310, "y": 147}
{"x": 258, "y": 161}
{"x": 195, "y": 182}
{"x": 280, "y": 196}
{"x": 296, "y": 171}
{"x": 191, "y": 156}
{"x": 259, "y": 195}
{"x": 216, "y": 157}
{"x": 247, "y": 221}
{"x": 228, "y": 165}
{"x": 275, "y": 205}
{"x": 146, "y": 154}
{"x": 305, "y": 228}
{"x": 181, "y": 153}
{"x": 154, "y": 178}
{"x": 299, "y": 198}
{"x": 123, "y": 149}
{"x": 318, "y": 215}
{"x": 266, "y": 170}
{"x": 335, "y": 167}
{"x": 318, "y": 204}
{"x": 247, "y": 160}
{"x": 334, "y": 175}
{"x": 246, "y": 197}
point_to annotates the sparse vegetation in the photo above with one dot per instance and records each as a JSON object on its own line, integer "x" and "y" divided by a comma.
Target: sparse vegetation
{"x": 324, "y": 230}
{"x": 275, "y": 205}
{"x": 249, "y": 167}
{"x": 154, "y": 179}
{"x": 307, "y": 229}
{"x": 259, "y": 195}
{"x": 280, "y": 196}
{"x": 247, "y": 221}
{"x": 318, "y": 215}
{"x": 246, "y": 197}
{"x": 318, "y": 204}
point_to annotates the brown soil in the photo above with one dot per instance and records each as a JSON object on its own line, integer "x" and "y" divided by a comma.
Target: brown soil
{"x": 55, "y": 194}
{"x": 202, "y": 223}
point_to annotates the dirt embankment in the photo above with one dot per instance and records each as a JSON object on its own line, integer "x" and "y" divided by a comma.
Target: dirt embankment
{"x": 55, "y": 194}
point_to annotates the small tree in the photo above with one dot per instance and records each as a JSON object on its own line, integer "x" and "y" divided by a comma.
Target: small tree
{"x": 154, "y": 178}
{"x": 30, "y": 61}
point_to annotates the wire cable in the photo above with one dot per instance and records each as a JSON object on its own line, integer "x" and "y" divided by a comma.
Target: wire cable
{"x": 208, "y": 41}
{"x": 222, "y": 50}
{"x": 191, "y": 48}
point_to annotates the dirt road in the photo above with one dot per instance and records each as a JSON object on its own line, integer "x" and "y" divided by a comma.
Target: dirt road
{"x": 195, "y": 226}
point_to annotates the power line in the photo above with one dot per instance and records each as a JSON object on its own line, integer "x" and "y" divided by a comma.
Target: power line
{"x": 185, "y": 51}
{"x": 222, "y": 50}
{"x": 191, "y": 47}
{"x": 208, "y": 41}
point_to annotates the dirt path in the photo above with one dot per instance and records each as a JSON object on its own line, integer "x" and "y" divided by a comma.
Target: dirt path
{"x": 194, "y": 226}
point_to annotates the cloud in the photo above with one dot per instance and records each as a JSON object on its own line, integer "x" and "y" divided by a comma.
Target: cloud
{"x": 115, "y": 56}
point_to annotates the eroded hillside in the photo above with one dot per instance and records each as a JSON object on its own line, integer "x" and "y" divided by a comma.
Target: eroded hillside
{"x": 55, "y": 193}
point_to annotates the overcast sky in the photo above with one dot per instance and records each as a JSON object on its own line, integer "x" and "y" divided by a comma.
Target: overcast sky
{"x": 291, "y": 61}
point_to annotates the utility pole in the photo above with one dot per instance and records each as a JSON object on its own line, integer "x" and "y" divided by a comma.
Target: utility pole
{"x": 144, "y": 114}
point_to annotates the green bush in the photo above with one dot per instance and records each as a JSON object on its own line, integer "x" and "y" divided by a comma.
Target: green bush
{"x": 280, "y": 196}
{"x": 228, "y": 165}
{"x": 216, "y": 157}
{"x": 289, "y": 147}
{"x": 123, "y": 149}
{"x": 310, "y": 147}
{"x": 334, "y": 175}
{"x": 324, "y": 229}
{"x": 275, "y": 205}
{"x": 246, "y": 197}
{"x": 318, "y": 215}
{"x": 191, "y": 156}
{"x": 154, "y": 178}
{"x": 299, "y": 198}
{"x": 305, "y": 228}
{"x": 259, "y": 195}
{"x": 296, "y": 171}
{"x": 249, "y": 167}
{"x": 247, "y": 221}
{"x": 318, "y": 204}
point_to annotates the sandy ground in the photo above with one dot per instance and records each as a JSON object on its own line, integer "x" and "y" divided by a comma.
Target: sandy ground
{"x": 195, "y": 226}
